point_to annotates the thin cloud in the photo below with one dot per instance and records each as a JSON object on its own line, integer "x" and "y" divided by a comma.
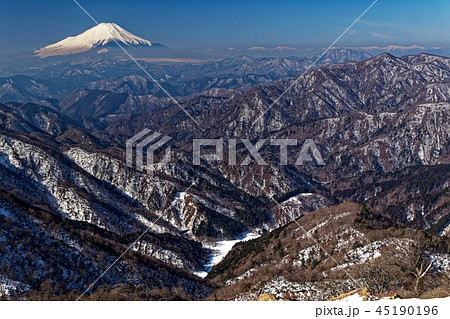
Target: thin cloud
{"x": 380, "y": 24}
{"x": 382, "y": 36}
{"x": 352, "y": 32}
{"x": 280, "y": 48}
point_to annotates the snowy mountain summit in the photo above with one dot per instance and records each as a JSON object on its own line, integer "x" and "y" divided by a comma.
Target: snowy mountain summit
{"x": 101, "y": 35}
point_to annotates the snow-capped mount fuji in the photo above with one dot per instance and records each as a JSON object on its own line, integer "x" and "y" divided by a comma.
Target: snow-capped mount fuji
{"x": 101, "y": 35}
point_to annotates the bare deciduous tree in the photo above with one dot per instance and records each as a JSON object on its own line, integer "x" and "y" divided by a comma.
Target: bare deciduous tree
{"x": 419, "y": 272}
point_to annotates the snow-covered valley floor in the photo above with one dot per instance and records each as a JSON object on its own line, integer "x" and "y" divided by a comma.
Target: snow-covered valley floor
{"x": 221, "y": 249}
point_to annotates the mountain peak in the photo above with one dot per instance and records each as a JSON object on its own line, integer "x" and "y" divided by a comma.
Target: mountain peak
{"x": 99, "y": 35}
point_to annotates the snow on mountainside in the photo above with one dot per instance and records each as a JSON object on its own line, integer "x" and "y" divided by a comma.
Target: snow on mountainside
{"x": 381, "y": 126}
{"x": 100, "y": 35}
{"x": 329, "y": 252}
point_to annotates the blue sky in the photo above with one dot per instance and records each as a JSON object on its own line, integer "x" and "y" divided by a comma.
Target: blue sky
{"x": 202, "y": 25}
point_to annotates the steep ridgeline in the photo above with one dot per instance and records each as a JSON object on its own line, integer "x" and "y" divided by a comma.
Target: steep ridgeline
{"x": 61, "y": 227}
{"x": 377, "y": 116}
{"x": 214, "y": 207}
{"x": 381, "y": 84}
{"x": 79, "y": 219}
{"x": 416, "y": 196}
{"x": 73, "y": 189}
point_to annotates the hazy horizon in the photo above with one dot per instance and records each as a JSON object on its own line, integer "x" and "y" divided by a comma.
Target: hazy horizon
{"x": 233, "y": 28}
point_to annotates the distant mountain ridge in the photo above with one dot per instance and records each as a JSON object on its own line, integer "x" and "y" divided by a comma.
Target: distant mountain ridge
{"x": 101, "y": 35}
{"x": 59, "y": 78}
{"x": 401, "y": 50}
